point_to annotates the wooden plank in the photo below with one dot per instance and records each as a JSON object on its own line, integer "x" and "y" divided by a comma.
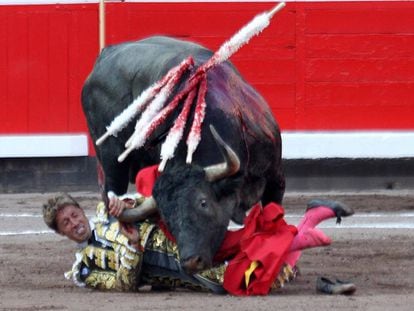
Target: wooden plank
{"x": 16, "y": 106}
{"x": 280, "y": 47}
{"x": 378, "y": 117}
{"x": 278, "y": 95}
{"x": 357, "y": 20}
{"x": 4, "y": 70}
{"x": 345, "y": 95}
{"x": 86, "y": 52}
{"x": 58, "y": 69}
{"x": 74, "y": 81}
{"x": 83, "y": 50}
{"x": 360, "y": 45}
{"x": 360, "y": 70}
{"x": 286, "y": 118}
{"x": 212, "y": 19}
{"x": 300, "y": 66}
{"x": 146, "y": 19}
{"x": 262, "y": 71}
{"x": 38, "y": 60}
{"x": 118, "y": 24}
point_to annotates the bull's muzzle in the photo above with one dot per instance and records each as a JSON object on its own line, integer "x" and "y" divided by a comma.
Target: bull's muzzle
{"x": 195, "y": 264}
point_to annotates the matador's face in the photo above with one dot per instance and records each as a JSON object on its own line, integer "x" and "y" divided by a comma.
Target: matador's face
{"x": 72, "y": 223}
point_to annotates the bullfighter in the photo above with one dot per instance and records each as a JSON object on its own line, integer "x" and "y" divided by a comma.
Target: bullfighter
{"x": 118, "y": 256}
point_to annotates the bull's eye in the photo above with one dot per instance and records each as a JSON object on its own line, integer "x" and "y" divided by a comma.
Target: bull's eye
{"x": 203, "y": 203}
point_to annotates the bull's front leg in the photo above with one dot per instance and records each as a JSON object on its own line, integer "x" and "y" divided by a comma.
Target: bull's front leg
{"x": 101, "y": 182}
{"x": 275, "y": 188}
{"x": 112, "y": 177}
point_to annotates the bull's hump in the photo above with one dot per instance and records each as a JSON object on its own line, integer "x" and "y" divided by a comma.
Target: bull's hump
{"x": 148, "y": 59}
{"x": 160, "y": 49}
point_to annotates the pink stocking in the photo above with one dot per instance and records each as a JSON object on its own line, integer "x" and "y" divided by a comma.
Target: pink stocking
{"x": 305, "y": 238}
{"x": 309, "y": 238}
{"x": 314, "y": 216}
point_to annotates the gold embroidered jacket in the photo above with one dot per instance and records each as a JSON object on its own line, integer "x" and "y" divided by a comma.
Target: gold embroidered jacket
{"x": 107, "y": 261}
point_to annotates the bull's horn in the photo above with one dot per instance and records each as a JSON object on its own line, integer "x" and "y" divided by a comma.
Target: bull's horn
{"x": 141, "y": 212}
{"x": 229, "y": 167}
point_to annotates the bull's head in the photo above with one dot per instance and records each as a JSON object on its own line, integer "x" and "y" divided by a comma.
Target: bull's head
{"x": 197, "y": 203}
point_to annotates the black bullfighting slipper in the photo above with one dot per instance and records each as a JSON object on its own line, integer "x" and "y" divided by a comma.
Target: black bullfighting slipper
{"x": 339, "y": 287}
{"x": 340, "y": 209}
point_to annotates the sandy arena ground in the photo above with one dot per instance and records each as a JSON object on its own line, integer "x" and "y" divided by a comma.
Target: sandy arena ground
{"x": 374, "y": 249}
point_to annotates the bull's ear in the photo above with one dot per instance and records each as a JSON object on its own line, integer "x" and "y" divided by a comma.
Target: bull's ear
{"x": 226, "y": 187}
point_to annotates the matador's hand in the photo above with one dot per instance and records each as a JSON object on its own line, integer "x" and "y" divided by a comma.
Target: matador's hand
{"x": 117, "y": 206}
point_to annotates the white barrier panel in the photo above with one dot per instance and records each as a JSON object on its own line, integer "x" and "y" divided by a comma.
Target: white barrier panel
{"x": 347, "y": 144}
{"x": 24, "y": 146}
{"x": 296, "y": 145}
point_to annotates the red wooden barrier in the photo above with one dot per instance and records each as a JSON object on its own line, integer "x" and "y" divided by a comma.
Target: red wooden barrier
{"x": 329, "y": 65}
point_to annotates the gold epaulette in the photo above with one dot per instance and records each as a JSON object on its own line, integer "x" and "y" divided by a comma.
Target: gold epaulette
{"x": 101, "y": 213}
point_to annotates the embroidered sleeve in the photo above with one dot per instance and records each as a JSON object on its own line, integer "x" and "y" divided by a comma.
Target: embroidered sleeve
{"x": 105, "y": 269}
{"x": 123, "y": 279}
{"x": 101, "y": 279}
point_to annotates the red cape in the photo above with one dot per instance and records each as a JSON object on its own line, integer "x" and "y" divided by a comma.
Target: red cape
{"x": 265, "y": 239}
{"x": 144, "y": 182}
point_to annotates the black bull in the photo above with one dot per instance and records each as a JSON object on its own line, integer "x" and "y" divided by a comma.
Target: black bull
{"x": 196, "y": 209}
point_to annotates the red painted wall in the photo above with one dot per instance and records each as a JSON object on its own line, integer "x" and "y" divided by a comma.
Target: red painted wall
{"x": 335, "y": 65}
{"x": 46, "y": 53}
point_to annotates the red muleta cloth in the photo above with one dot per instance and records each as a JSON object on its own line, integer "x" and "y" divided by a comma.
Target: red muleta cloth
{"x": 264, "y": 239}
{"x": 144, "y": 182}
